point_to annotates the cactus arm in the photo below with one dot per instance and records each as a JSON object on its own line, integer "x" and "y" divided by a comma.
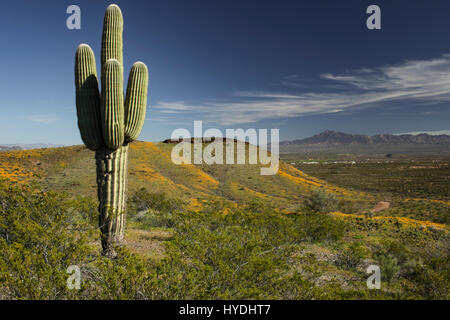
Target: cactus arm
{"x": 87, "y": 97}
{"x": 136, "y": 101}
{"x": 112, "y": 113}
{"x": 112, "y": 109}
{"x": 112, "y": 45}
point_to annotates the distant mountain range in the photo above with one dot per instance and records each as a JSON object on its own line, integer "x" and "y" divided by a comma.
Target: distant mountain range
{"x": 6, "y": 147}
{"x": 340, "y": 138}
{"x": 333, "y": 142}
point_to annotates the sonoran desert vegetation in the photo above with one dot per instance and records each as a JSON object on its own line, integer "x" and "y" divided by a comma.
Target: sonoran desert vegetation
{"x": 213, "y": 232}
{"x": 108, "y": 123}
{"x": 253, "y": 251}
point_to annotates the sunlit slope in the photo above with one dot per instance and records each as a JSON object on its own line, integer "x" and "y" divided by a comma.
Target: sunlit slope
{"x": 72, "y": 169}
{"x": 151, "y": 167}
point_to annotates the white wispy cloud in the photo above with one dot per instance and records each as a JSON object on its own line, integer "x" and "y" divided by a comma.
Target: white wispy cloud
{"x": 423, "y": 81}
{"x": 42, "y": 118}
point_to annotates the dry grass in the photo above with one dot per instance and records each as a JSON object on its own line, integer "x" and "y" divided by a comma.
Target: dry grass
{"x": 148, "y": 243}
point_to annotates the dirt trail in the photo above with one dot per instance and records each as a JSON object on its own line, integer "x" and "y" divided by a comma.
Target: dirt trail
{"x": 380, "y": 206}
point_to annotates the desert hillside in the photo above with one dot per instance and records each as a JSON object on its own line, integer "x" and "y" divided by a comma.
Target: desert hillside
{"x": 221, "y": 231}
{"x": 72, "y": 169}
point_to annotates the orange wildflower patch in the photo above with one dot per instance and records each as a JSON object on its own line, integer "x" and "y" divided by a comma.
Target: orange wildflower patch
{"x": 14, "y": 173}
{"x": 211, "y": 182}
{"x": 195, "y": 205}
{"x": 407, "y": 222}
{"x": 150, "y": 174}
{"x": 298, "y": 179}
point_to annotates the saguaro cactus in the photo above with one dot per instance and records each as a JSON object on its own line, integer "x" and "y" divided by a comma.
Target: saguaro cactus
{"x": 108, "y": 122}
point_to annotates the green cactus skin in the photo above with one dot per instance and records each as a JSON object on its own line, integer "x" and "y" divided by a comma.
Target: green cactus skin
{"x": 107, "y": 124}
{"x": 112, "y": 168}
{"x": 112, "y": 109}
{"x": 87, "y": 97}
{"x": 136, "y": 101}
{"x": 112, "y": 45}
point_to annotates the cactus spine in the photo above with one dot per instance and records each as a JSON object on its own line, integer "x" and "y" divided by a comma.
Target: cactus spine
{"x": 108, "y": 124}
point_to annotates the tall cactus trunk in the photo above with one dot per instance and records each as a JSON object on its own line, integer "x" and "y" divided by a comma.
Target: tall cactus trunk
{"x": 112, "y": 176}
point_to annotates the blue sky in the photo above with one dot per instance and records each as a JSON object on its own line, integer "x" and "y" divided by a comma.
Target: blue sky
{"x": 300, "y": 66}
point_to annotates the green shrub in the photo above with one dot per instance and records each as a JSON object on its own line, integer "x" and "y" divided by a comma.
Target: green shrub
{"x": 389, "y": 266}
{"x": 153, "y": 209}
{"x": 259, "y": 206}
{"x": 41, "y": 234}
{"x": 432, "y": 279}
{"x": 154, "y": 219}
{"x": 240, "y": 255}
{"x": 349, "y": 256}
{"x": 321, "y": 201}
{"x": 143, "y": 200}
{"x": 394, "y": 259}
{"x": 252, "y": 252}
{"x": 319, "y": 227}
{"x": 122, "y": 278}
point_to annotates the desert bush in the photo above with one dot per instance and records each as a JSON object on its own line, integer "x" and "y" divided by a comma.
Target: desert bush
{"x": 389, "y": 266}
{"x": 41, "y": 234}
{"x": 143, "y": 200}
{"x": 259, "y": 206}
{"x": 432, "y": 279}
{"x": 348, "y": 206}
{"x": 319, "y": 226}
{"x": 252, "y": 252}
{"x": 321, "y": 201}
{"x": 153, "y": 209}
{"x": 350, "y": 255}
{"x": 240, "y": 255}
{"x": 154, "y": 219}
{"x": 124, "y": 277}
{"x": 394, "y": 259}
